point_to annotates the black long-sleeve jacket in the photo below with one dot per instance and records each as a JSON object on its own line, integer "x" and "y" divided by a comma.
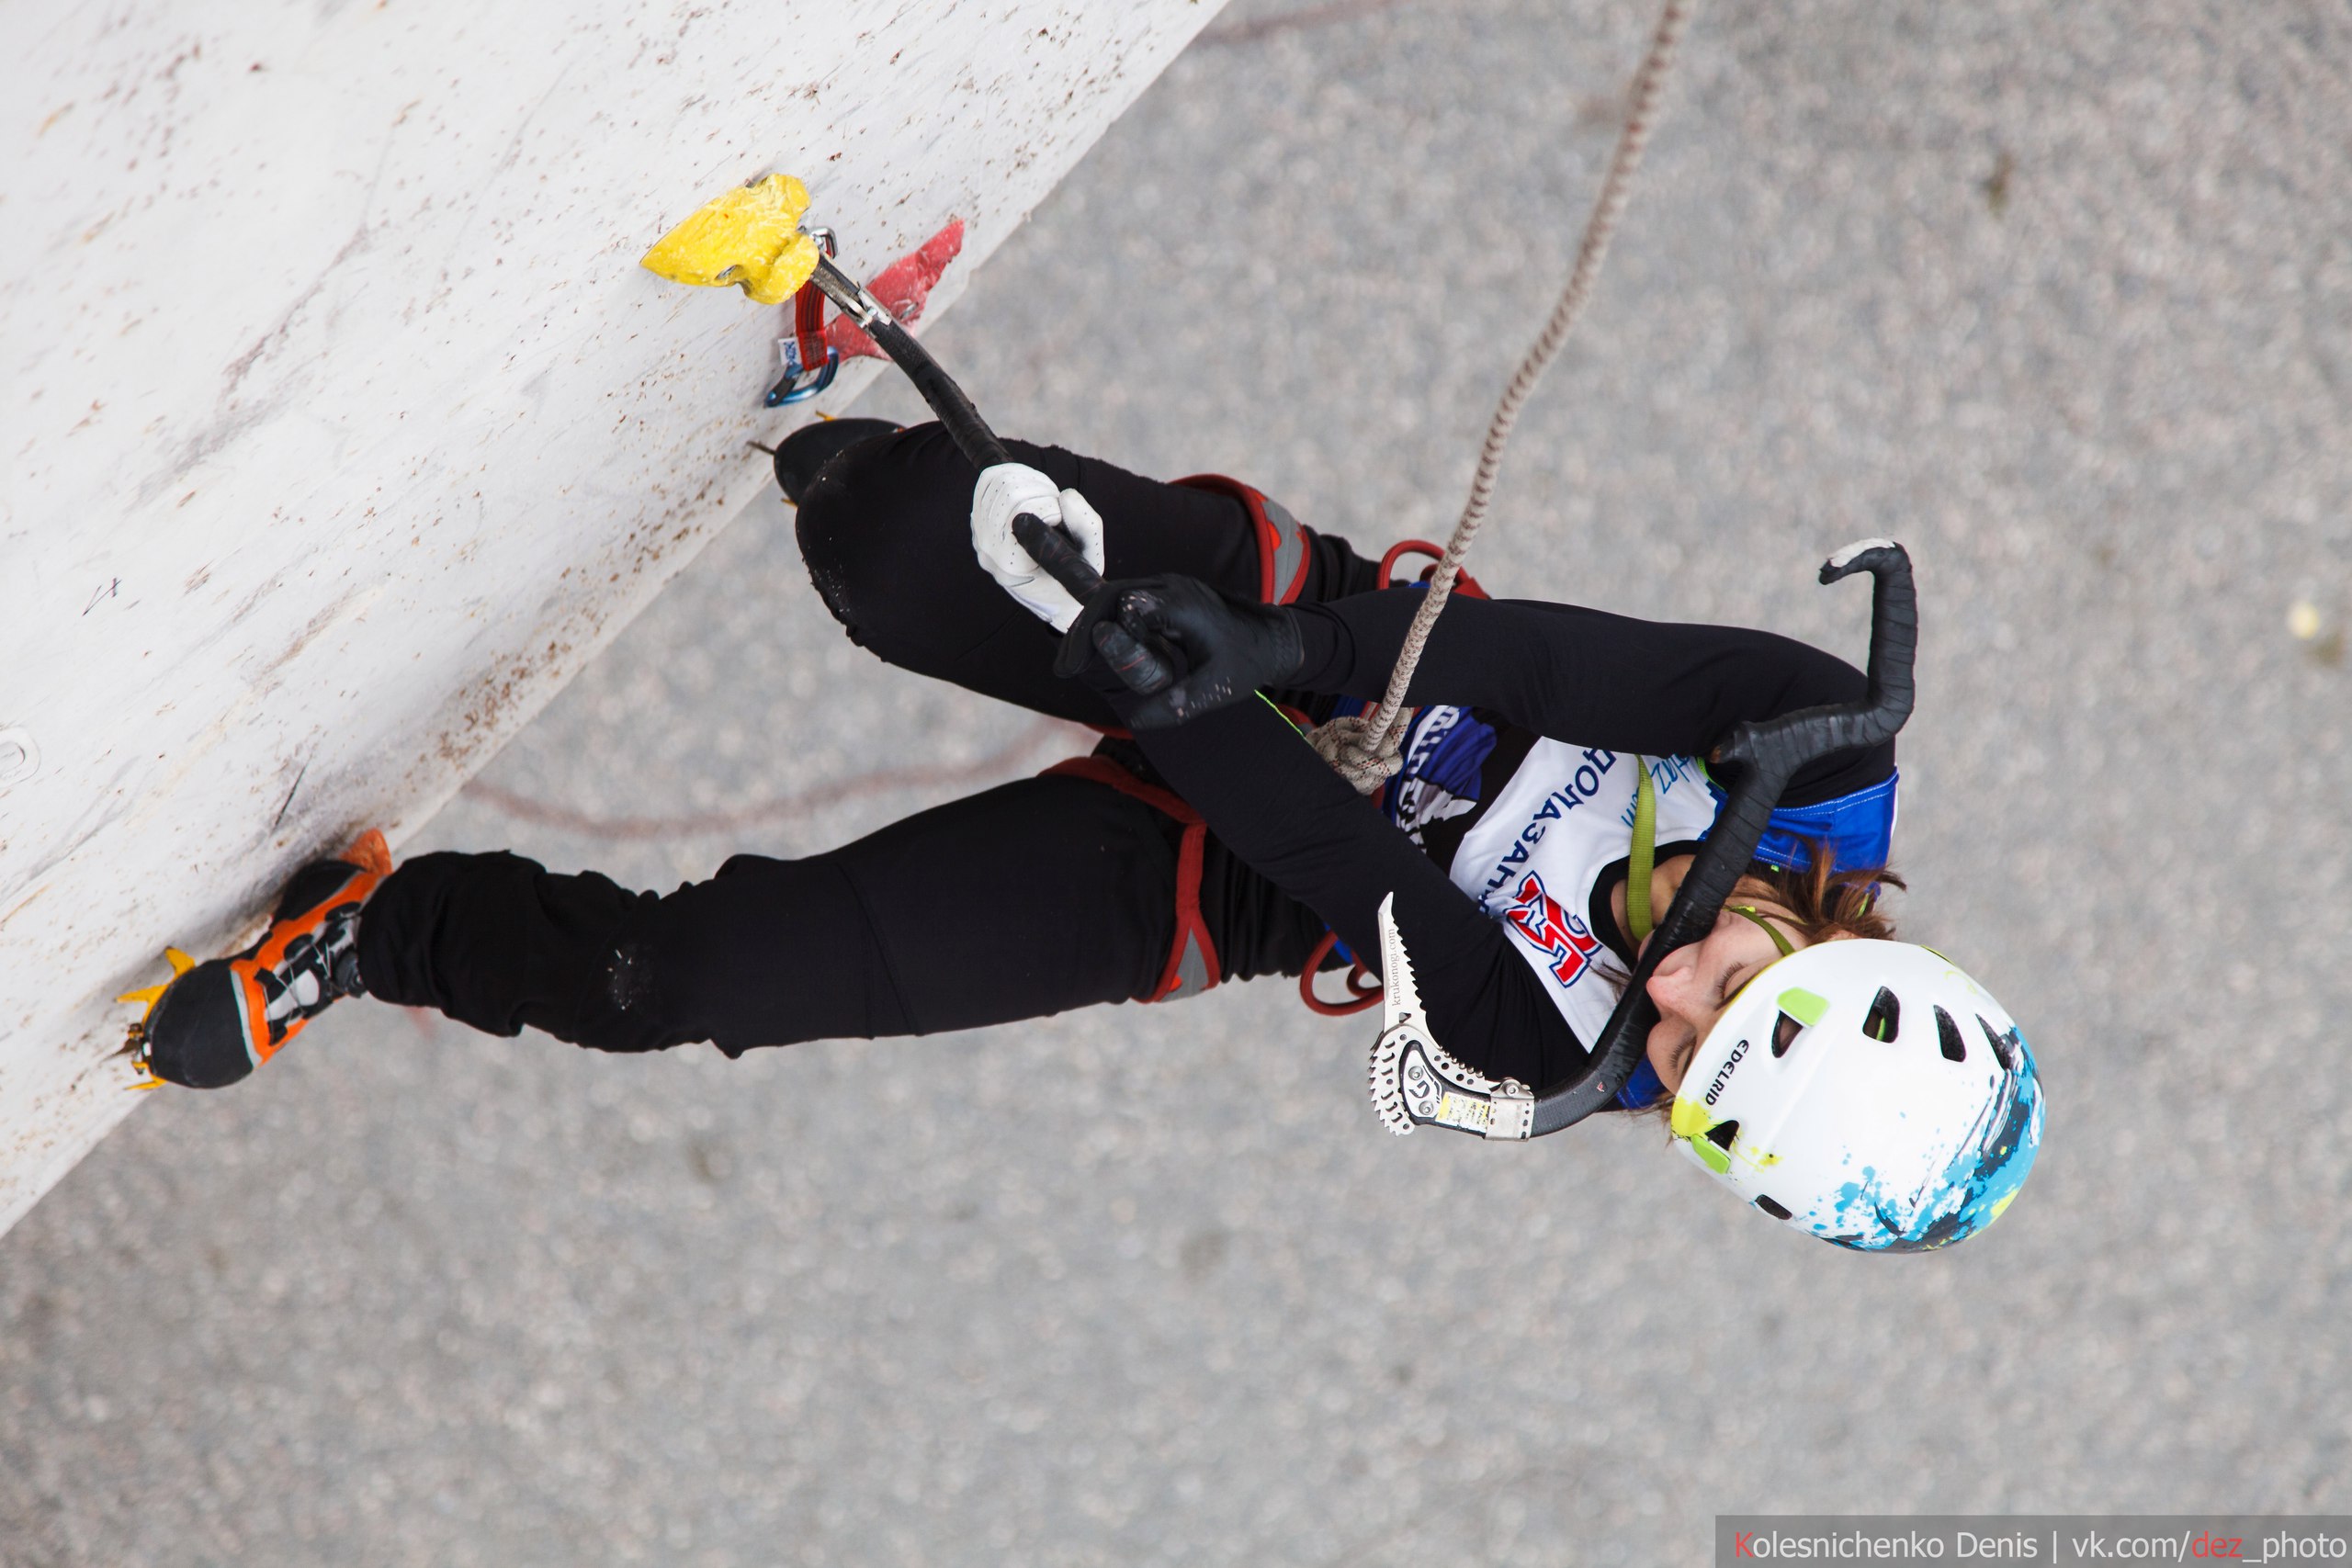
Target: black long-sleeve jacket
{"x": 1536, "y": 670}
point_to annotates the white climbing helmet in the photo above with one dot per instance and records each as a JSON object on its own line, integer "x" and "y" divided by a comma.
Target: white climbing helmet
{"x": 1867, "y": 1093}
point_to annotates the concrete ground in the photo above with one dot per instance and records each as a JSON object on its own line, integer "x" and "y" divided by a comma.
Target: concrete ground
{"x": 2061, "y": 296}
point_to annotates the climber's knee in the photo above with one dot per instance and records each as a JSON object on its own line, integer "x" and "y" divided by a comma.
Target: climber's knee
{"x": 886, "y": 532}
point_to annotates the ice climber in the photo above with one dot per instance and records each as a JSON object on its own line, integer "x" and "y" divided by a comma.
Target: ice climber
{"x": 1857, "y": 1089}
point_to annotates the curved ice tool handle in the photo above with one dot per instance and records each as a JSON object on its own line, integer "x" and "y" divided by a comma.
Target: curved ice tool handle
{"x": 1767, "y": 755}
{"x": 1048, "y": 543}
{"x": 1140, "y": 666}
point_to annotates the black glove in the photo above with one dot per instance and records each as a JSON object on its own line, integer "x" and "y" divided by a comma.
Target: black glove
{"x": 1232, "y": 649}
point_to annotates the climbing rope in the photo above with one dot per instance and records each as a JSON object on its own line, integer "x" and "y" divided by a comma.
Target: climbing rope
{"x": 1363, "y": 748}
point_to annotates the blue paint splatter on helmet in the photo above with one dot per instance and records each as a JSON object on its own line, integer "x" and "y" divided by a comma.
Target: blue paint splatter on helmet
{"x": 1990, "y": 1167}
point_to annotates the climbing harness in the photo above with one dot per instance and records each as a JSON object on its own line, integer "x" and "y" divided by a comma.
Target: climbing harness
{"x": 1193, "y": 963}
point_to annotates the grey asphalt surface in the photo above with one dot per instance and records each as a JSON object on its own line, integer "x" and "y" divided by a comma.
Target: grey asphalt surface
{"x": 2060, "y": 296}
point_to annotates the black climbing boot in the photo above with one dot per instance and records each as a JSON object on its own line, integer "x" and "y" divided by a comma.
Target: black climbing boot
{"x": 212, "y": 1023}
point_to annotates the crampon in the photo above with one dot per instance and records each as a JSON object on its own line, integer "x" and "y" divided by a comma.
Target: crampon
{"x": 212, "y": 1023}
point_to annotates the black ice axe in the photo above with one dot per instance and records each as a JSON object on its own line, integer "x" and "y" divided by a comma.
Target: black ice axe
{"x": 1048, "y": 543}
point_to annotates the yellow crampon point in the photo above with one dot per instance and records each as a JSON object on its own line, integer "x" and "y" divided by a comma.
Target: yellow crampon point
{"x": 750, "y": 236}
{"x": 181, "y": 964}
{"x": 149, "y": 996}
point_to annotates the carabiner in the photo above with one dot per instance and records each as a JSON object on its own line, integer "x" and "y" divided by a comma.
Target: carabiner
{"x": 799, "y": 352}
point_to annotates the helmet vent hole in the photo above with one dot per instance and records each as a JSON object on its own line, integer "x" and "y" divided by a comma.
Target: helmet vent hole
{"x": 1771, "y": 1208}
{"x": 1886, "y": 1016}
{"x": 1955, "y": 1049}
{"x": 2004, "y": 1047}
{"x": 1785, "y": 1034}
{"x": 1722, "y": 1132}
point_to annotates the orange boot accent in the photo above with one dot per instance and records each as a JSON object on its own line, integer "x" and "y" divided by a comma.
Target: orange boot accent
{"x": 212, "y": 1023}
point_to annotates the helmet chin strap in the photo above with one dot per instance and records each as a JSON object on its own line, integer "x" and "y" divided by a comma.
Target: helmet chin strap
{"x": 1644, "y": 860}
{"x": 1643, "y": 863}
{"x": 1751, "y": 912}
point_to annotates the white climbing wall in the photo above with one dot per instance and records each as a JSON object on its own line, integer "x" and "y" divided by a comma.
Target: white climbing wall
{"x": 341, "y": 426}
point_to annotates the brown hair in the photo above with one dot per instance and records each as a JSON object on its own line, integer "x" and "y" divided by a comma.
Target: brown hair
{"x": 1823, "y": 901}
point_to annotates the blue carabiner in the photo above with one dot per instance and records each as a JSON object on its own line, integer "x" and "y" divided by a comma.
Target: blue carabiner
{"x": 792, "y": 389}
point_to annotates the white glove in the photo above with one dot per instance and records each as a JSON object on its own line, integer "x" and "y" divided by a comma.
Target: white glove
{"x": 1003, "y": 493}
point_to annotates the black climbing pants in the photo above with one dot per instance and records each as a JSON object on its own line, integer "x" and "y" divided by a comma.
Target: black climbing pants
{"x": 1019, "y": 902}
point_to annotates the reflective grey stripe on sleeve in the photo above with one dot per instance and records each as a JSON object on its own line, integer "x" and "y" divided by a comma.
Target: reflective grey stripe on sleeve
{"x": 1192, "y": 971}
{"x": 1290, "y": 550}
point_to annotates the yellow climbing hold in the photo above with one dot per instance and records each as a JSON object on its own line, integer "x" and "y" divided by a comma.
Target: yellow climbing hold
{"x": 750, "y": 236}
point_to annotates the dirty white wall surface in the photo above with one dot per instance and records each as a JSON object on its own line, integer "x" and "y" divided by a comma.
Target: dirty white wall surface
{"x": 342, "y": 427}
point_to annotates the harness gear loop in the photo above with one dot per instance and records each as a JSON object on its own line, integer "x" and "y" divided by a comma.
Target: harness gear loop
{"x": 1403, "y": 548}
{"x": 1362, "y": 748}
{"x": 1364, "y": 987}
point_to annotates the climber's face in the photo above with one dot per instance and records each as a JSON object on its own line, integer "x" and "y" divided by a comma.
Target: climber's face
{"x": 1694, "y": 985}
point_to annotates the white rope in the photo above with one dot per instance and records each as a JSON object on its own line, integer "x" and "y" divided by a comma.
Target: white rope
{"x": 1363, "y": 748}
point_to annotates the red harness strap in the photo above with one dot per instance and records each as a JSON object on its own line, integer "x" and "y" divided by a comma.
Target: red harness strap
{"x": 808, "y": 327}
{"x": 1192, "y": 965}
{"x": 1281, "y": 539}
{"x": 1364, "y": 990}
